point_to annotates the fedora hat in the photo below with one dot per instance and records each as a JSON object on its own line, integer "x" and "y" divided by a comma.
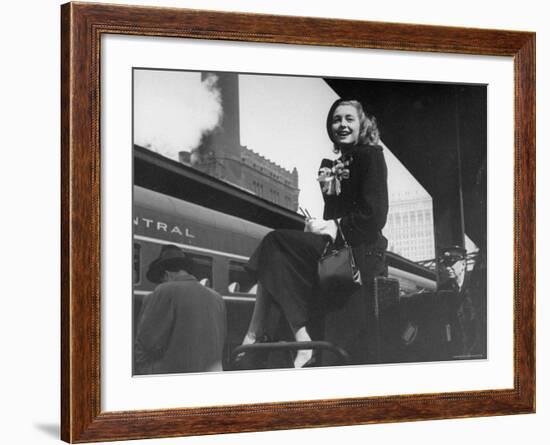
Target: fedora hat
{"x": 170, "y": 257}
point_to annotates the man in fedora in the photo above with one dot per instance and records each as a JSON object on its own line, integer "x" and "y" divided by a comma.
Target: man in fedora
{"x": 182, "y": 324}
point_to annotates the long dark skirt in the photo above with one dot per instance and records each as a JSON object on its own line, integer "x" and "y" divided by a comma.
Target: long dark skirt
{"x": 285, "y": 265}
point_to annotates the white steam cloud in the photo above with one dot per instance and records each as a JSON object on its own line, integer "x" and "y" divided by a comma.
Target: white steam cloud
{"x": 174, "y": 109}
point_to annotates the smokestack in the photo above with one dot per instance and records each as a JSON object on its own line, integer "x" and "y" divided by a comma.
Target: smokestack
{"x": 219, "y": 152}
{"x": 228, "y": 131}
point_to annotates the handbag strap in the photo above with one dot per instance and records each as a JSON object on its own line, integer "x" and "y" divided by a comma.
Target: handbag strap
{"x": 352, "y": 258}
{"x": 346, "y": 245}
{"x": 330, "y": 242}
{"x": 341, "y": 232}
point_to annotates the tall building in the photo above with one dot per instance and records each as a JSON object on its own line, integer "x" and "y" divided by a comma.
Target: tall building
{"x": 220, "y": 153}
{"x": 409, "y": 228}
{"x": 269, "y": 180}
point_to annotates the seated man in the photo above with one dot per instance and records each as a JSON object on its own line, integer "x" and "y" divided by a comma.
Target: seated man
{"x": 182, "y": 324}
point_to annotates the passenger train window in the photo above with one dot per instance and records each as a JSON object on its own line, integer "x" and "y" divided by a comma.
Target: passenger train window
{"x": 137, "y": 264}
{"x": 202, "y": 268}
{"x": 239, "y": 279}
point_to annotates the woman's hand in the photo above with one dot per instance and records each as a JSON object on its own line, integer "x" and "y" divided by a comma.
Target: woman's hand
{"x": 310, "y": 225}
{"x": 321, "y": 227}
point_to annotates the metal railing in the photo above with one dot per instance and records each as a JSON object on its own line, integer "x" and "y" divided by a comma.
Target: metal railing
{"x": 292, "y": 346}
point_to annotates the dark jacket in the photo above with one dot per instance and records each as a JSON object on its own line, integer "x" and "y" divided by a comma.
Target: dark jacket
{"x": 363, "y": 201}
{"x": 181, "y": 328}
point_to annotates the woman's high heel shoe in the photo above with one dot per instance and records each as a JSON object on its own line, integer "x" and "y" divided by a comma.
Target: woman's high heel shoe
{"x": 311, "y": 362}
{"x": 252, "y": 359}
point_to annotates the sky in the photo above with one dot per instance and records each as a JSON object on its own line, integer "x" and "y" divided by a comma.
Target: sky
{"x": 281, "y": 117}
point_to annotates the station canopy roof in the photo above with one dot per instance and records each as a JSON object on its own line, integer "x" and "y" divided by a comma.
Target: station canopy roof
{"x": 422, "y": 123}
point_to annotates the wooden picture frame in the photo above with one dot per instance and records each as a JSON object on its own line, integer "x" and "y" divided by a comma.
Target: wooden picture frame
{"x": 82, "y": 26}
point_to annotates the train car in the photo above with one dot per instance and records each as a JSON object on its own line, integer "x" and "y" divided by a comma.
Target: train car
{"x": 220, "y": 245}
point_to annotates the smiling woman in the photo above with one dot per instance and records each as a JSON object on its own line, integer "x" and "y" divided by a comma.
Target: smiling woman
{"x": 426, "y": 126}
{"x": 276, "y": 169}
{"x": 355, "y": 192}
{"x": 345, "y": 125}
{"x": 350, "y": 124}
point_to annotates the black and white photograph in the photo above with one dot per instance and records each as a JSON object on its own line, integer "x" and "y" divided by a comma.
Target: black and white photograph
{"x": 275, "y": 222}
{"x": 300, "y": 222}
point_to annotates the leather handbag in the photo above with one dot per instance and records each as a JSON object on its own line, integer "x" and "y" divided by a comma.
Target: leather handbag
{"x": 339, "y": 276}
